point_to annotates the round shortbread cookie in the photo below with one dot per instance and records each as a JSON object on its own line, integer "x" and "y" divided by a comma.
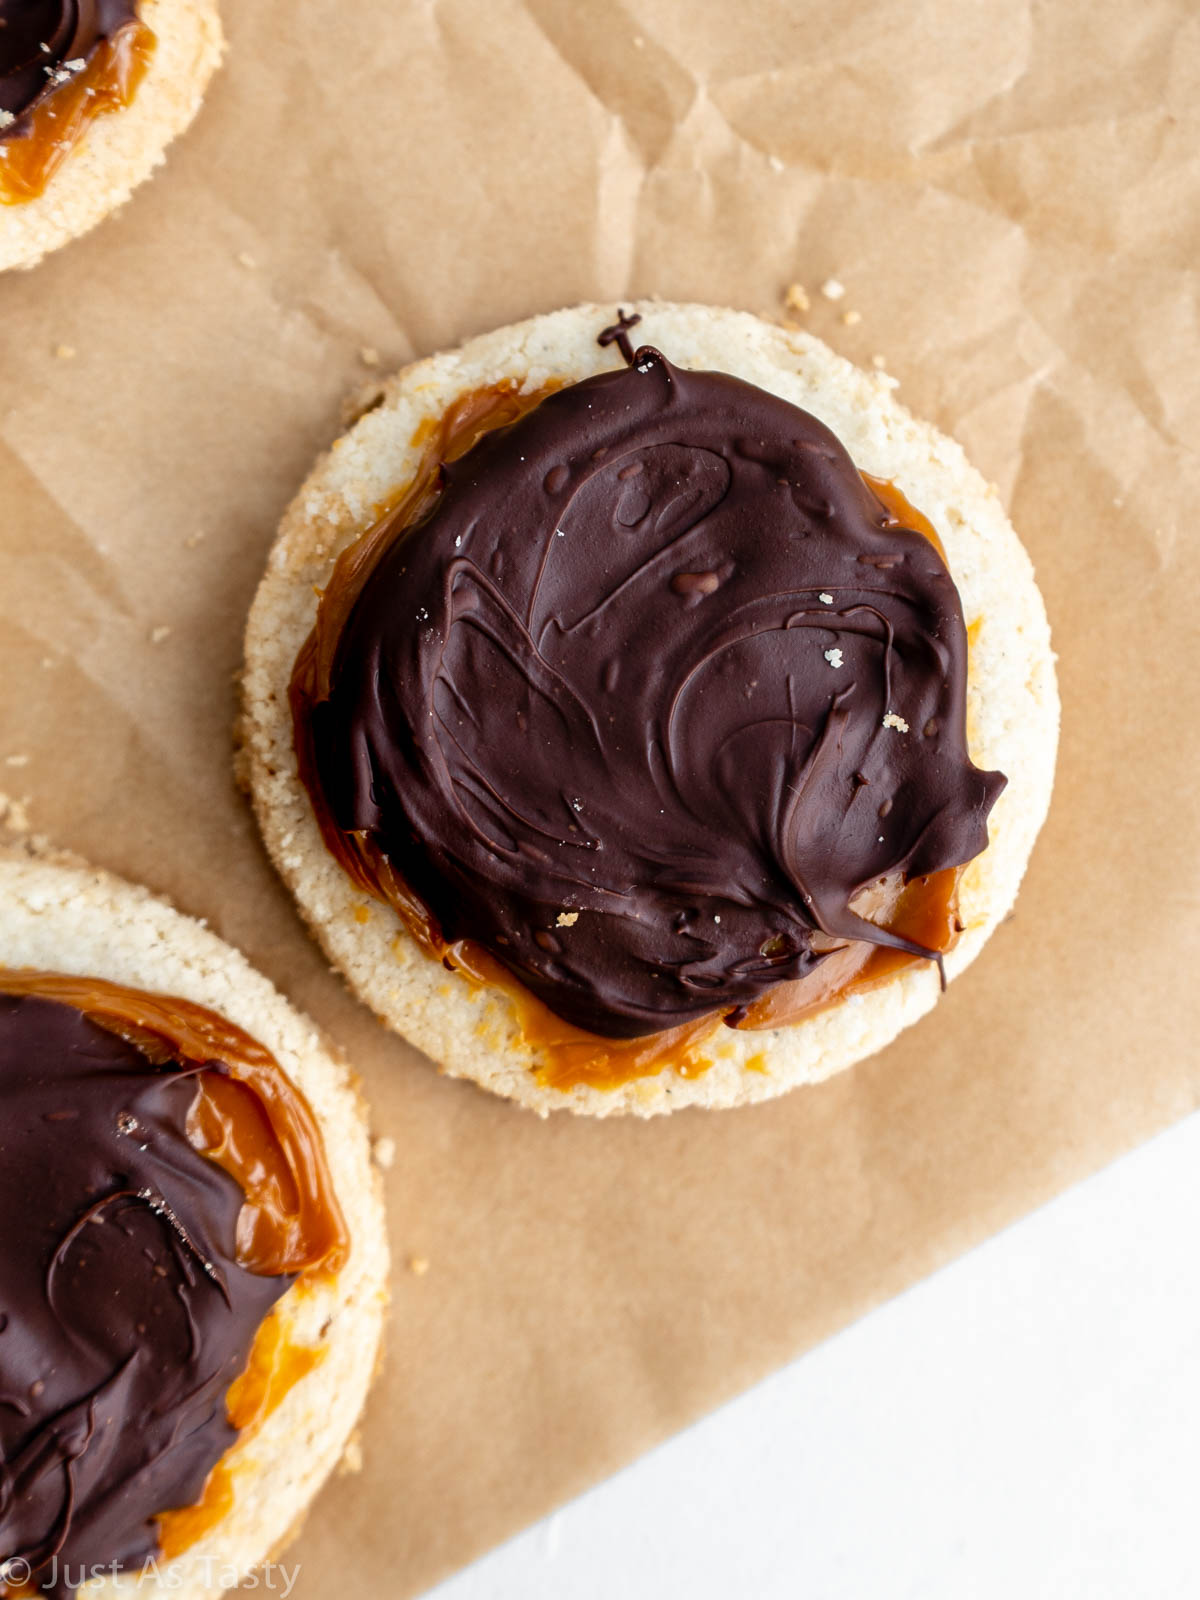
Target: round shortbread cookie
{"x": 122, "y": 148}
{"x": 1012, "y": 716}
{"x": 70, "y": 918}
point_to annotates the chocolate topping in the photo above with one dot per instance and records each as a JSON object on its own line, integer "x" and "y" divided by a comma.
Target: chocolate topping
{"x": 42, "y": 39}
{"x": 124, "y": 1315}
{"x": 656, "y": 688}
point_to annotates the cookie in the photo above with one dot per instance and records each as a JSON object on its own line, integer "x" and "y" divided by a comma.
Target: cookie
{"x": 196, "y": 1348}
{"x": 90, "y": 98}
{"x": 710, "y": 689}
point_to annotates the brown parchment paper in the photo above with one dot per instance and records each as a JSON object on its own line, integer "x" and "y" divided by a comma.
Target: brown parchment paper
{"x": 1010, "y": 193}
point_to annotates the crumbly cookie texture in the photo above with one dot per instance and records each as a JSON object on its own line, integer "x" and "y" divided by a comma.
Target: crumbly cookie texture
{"x": 63, "y": 916}
{"x": 122, "y": 148}
{"x": 1013, "y": 709}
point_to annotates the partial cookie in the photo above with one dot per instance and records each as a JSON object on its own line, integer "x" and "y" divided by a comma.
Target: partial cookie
{"x": 463, "y": 793}
{"x": 90, "y": 98}
{"x": 171, "y": 1198}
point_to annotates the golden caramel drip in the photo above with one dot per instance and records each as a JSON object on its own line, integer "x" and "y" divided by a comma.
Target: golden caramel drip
{"x": 902, "y": 512}
{"x": 924, "y": 911}
{"x": 571, "y": 1055}
{"x": 232, "y": 1125}
{"x": 276, "y": 1365}
{"x": 58, "y": 122}
{"x": 248, "y": 1117}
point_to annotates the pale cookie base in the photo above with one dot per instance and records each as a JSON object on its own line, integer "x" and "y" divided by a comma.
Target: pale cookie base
{"x": 1013, "y": 701}
{"x": 73, "y": 919}
{"x": 122, "y": 148}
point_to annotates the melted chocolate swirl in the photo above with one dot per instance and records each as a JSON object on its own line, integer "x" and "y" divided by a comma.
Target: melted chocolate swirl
{"x": 42, "y": 39}
{"x": 124, "y": 1315}
{"x": 656, "y": 688}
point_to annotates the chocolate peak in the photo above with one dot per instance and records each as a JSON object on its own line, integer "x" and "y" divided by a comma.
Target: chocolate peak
{"x": 124, "y": 1314}
{"x": 653, "y": 692}
{"x": 618, "y": 334}
{"x": 40, "y": 40}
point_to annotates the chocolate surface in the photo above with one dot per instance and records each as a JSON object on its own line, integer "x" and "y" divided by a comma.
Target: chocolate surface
{"x": 42, "y": 39}
{"x": 652, "y": 692}
{"x": 124, "y": 1315}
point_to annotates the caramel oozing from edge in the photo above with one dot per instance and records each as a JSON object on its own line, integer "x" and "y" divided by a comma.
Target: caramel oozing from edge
{"x": 925, "y": 910}
{"x": 253, "y": 1122}
{"x": 276, "y": 1365}
{"x": 247, "y": 1117}
{"x": 108, "y": 82}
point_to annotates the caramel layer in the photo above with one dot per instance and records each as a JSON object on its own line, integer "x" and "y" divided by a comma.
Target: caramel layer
{"x": 248, "y": 1117}
{"x": 58, "y": 122}
{"x": 276, "y": 1365}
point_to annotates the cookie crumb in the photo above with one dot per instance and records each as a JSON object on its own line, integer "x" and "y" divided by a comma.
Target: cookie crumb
{"x": 352, "y": 1456}
{"x": 567, "y": 919}
{"x": 796, "y": 298}
{"x": 6, "y": 119}
{"x": 851, "y": 318}
{"x": 878, "y": 362}
{"x": 14, "y": 814}
{"x": 825, "y": 599}
{"x": 245, "y": 259}
{"x": 64, "y": 352}
{"x": 418, "y": 1265}
{"x": 369, "y": 356}
{"x": 16, "y": 761}
{"x": 384, "y": 1153}
{"x": 157, "y": 635}
{"x": 893, "y": 721}
{"x": 834, "y": 657}
{"x": 832, "y": 289}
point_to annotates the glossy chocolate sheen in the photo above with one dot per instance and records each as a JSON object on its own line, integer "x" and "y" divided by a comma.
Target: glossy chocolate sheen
{"x": 616, "y": 708}
{"x": 124, "y": 1315}
{"x": 38, "y": 38}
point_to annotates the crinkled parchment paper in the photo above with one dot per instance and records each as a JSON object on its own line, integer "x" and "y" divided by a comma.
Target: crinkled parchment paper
{"x": 1010, "y": 195}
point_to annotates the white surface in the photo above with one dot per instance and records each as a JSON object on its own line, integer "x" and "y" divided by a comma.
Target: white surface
{"x": 1023, "y": 1426}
